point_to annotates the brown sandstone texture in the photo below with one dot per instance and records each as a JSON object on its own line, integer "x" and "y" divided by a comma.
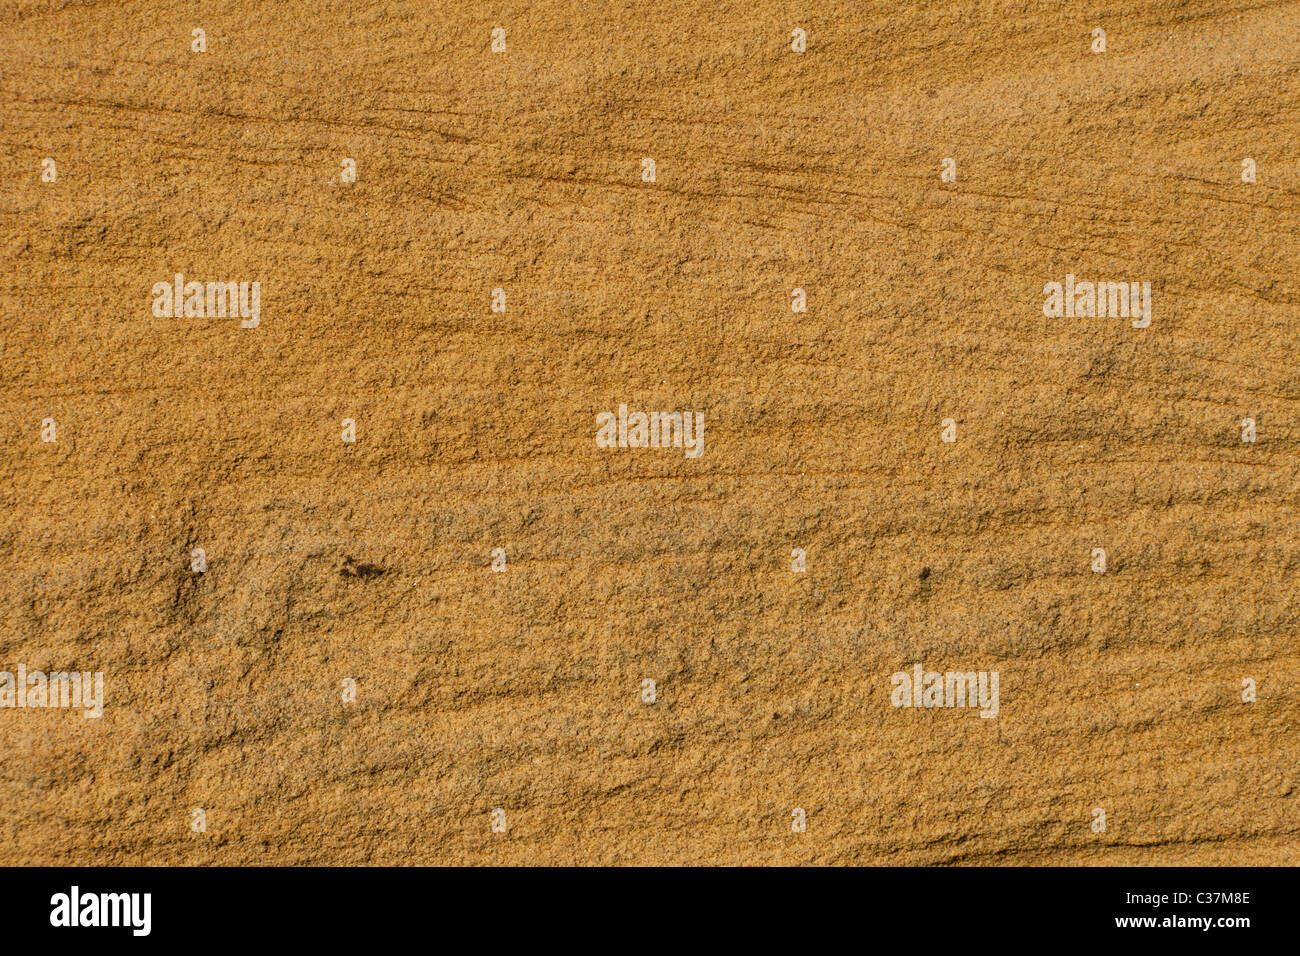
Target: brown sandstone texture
{"x": 476, "y": 429}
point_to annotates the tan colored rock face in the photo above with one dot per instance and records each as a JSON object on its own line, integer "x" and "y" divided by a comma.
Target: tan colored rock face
{"x": 475, "y": 418}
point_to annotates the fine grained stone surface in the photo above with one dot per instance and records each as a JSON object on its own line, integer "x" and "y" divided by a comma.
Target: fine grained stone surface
{"x": 476, "y": 430}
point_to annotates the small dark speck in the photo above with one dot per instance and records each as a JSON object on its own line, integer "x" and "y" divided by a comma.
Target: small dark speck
{"x": 352, "y": 569}
{"x": 776, "y": 716}
{"x": 925, "y": 573}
